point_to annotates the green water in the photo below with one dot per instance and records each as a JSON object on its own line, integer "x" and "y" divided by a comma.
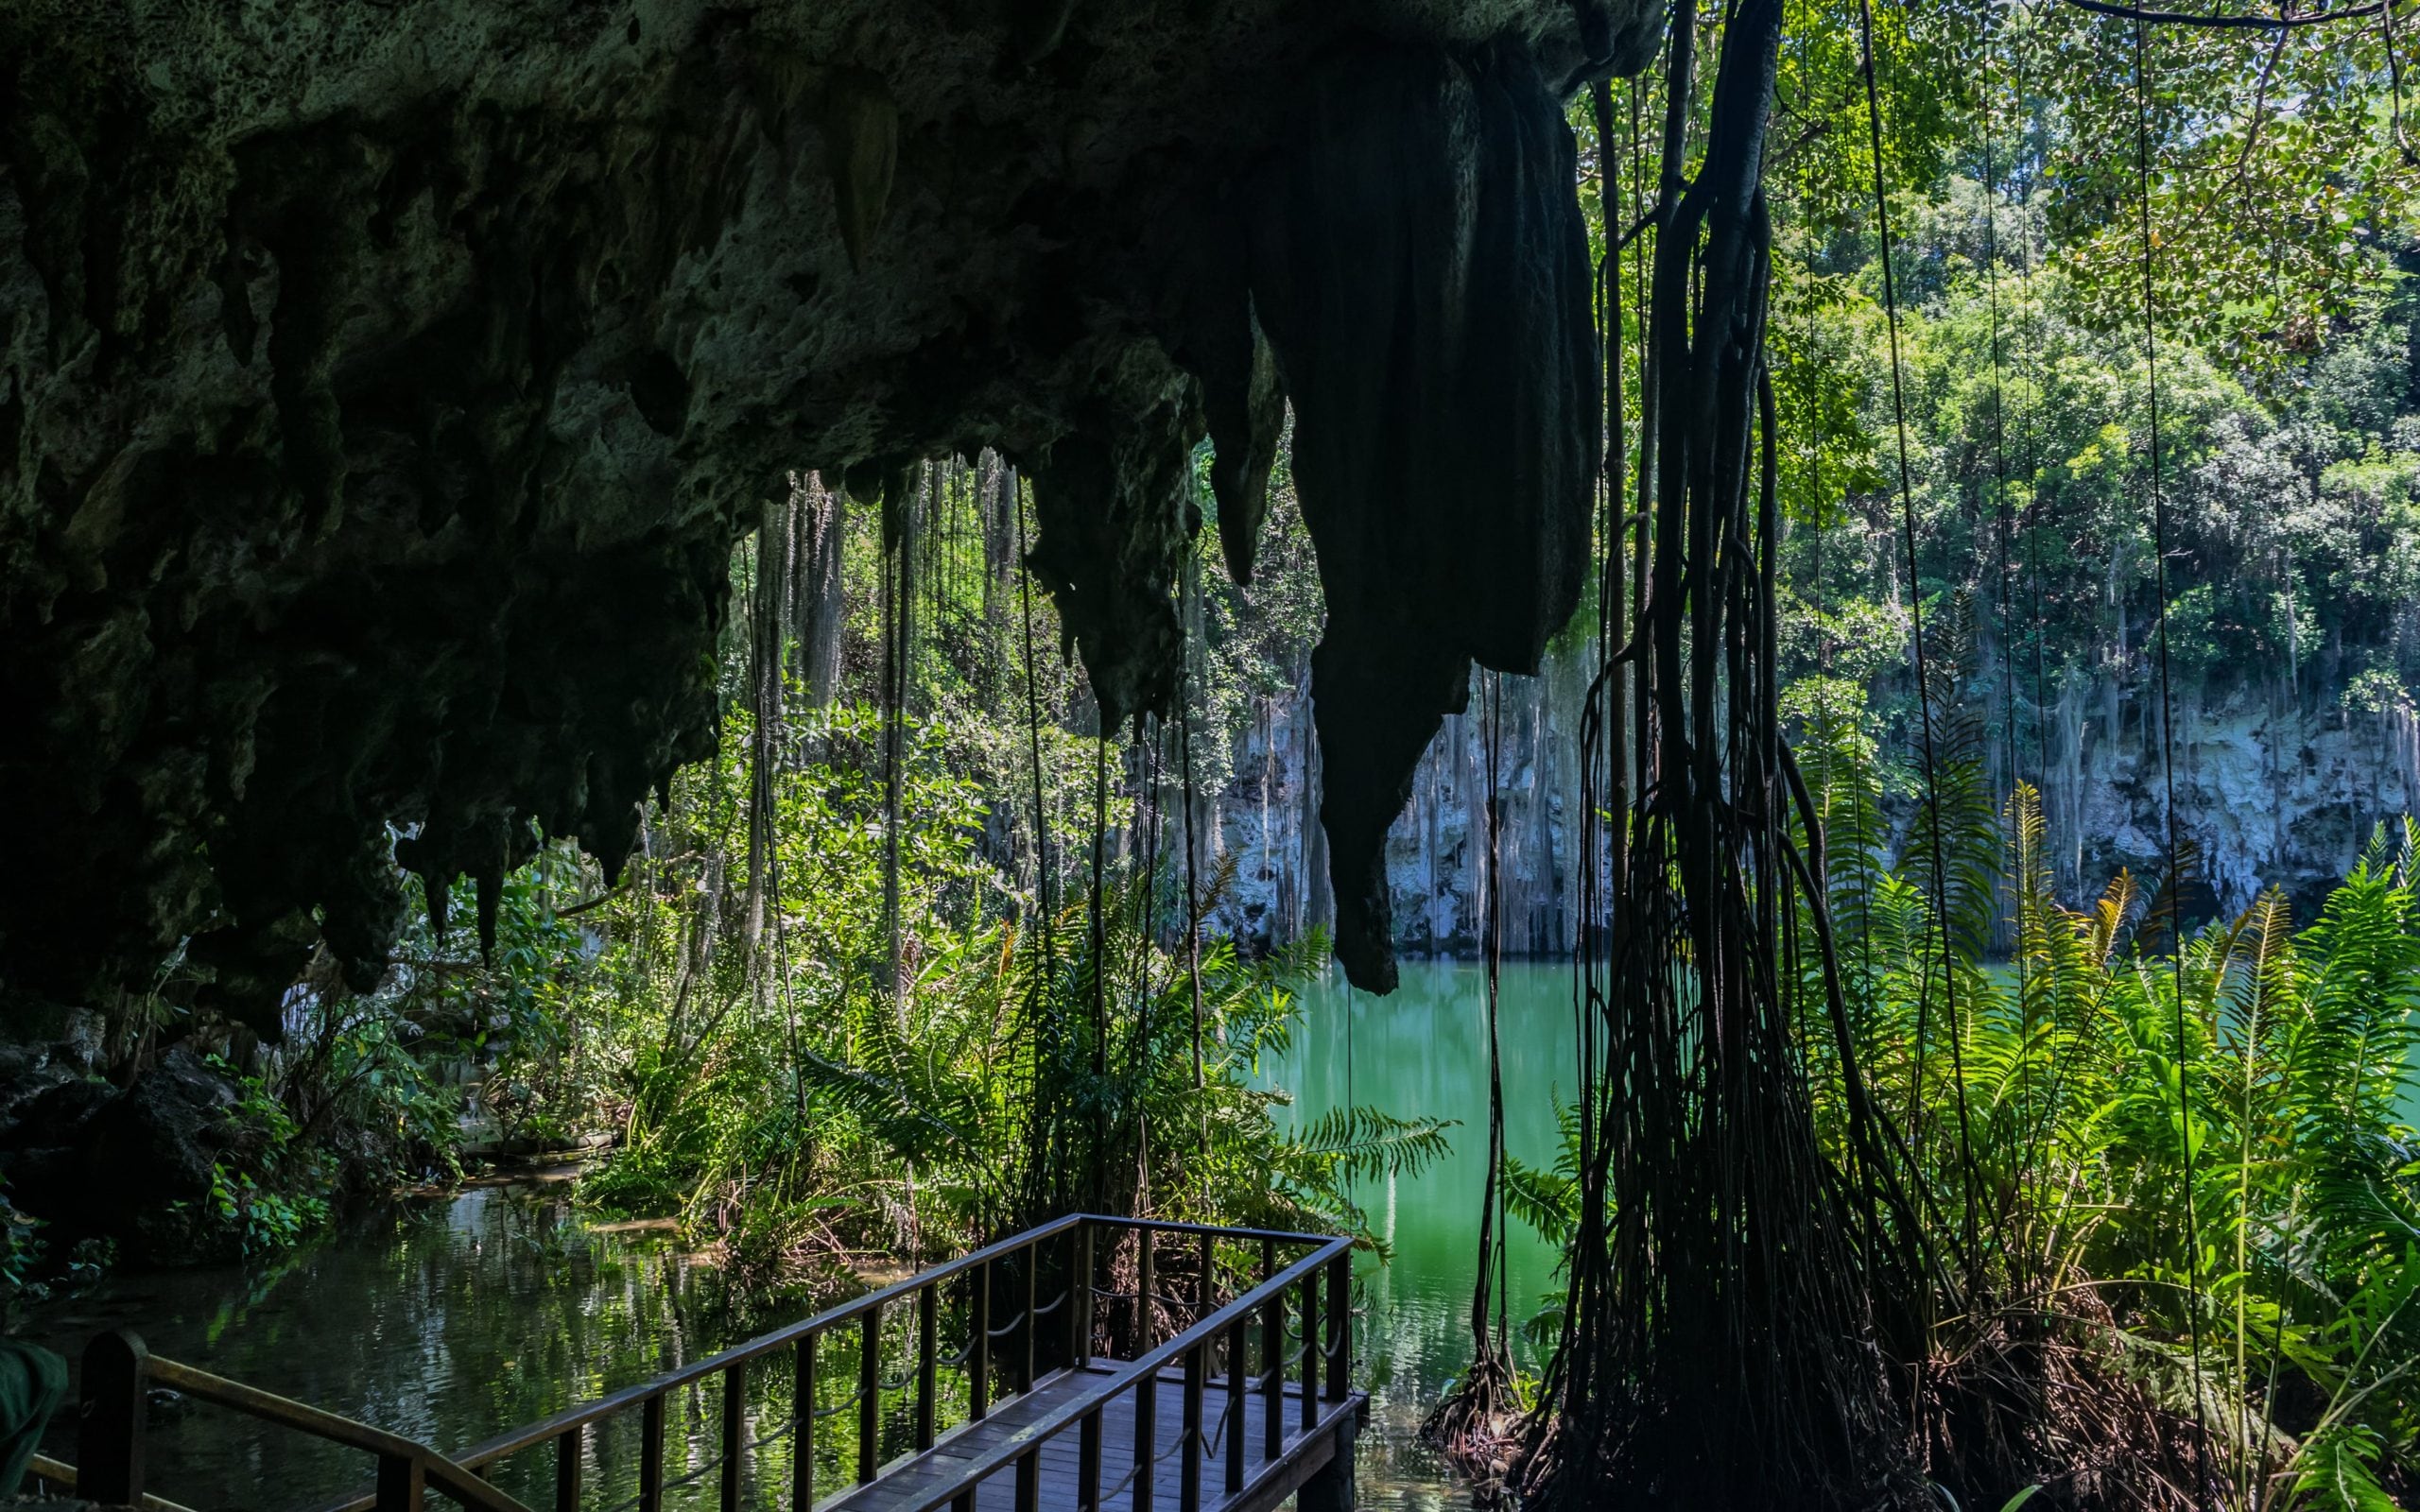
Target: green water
{"x": 450, "y": 1317}
{"x": 445, "y": 1320}
{"x": 1423, "y": 1051}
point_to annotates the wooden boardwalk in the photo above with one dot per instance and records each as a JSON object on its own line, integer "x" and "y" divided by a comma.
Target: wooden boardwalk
{"x": 1264, "y": 1480}
{"x": 1173, "y": 1366}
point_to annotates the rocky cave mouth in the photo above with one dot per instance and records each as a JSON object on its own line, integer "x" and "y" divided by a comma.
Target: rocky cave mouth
{"x": 385, "y": 391}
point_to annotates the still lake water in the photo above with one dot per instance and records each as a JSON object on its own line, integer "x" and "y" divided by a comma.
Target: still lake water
{"x": 450, "y": 1318}
{"x": 1422, "y": 1052}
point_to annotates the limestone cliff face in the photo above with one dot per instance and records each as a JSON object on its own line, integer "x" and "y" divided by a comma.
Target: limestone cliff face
{"x": 383, "y": 382}
{"x": 2274, "y": 787}
{"x": 1436, "y": 849}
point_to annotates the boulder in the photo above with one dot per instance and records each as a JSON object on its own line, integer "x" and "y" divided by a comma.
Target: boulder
{"x": 135, "y": 1166}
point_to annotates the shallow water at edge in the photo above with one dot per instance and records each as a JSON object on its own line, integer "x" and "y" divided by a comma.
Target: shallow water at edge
{"x": 449, "y": 1318}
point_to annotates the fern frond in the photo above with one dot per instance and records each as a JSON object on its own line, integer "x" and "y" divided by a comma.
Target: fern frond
{"x": 1366, "y": 1143}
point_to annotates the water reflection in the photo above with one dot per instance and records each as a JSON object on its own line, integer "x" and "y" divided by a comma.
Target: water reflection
{"x": 448, "y": 1319}
{"x": 1422, "y": 1052}
{"x": 443, "y": 1319}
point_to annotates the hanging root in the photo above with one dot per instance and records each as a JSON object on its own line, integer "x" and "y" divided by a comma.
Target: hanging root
{"x": 1478, "y": 1425}
{"x": 2057, "y": 1395}
{"x": 1724, "y": 1346}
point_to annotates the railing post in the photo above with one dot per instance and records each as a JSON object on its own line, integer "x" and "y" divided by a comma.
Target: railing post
{"x": 1079, "y": 1299}
{"x": 1029, "y": 1481}
{"x": 1273, "y": 1358}
{"x": 1088, "y": 1462}
{"x": 1238, "y": 1394}
{"x": 1202, "y": 1307}
{"x": 870, "y": 1396}
{"x": 652, "y": 1454}
{"x": 928, "y": 1350}
{"x": 978, "y": 1345}
{"x": 803, "y": 1429}
{"x": 567, "y": 1458}
{"x": 403, "y": 1484}
{"x": 1188, "y": 1481}
{"x": 1033, "y": 1327}
{"x": 1145, "y": 1326}
{"x": 1339, "y": 1322}
{"x": 1310, "y": 1352}
{"x": 109, "y": 1430}
{"x": 734, "y": 1431}
{"x": 1147, "y": 1438}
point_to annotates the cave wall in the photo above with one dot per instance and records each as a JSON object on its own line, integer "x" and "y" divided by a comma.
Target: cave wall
{"x": 1436, "y": 853}
{"x": 383, "y": 383}
{"x": 2276, "y": 785}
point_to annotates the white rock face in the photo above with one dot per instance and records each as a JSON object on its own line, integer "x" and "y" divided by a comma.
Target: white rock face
{"x": 2269, "y": 794}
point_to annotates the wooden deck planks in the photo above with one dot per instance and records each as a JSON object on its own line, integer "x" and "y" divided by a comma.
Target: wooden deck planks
{"x": 910, "y": 1485}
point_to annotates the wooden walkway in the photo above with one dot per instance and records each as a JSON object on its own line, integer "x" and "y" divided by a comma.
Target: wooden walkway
{"x": 1171, "y": 1366}
{"x": 1261, "y": 1480}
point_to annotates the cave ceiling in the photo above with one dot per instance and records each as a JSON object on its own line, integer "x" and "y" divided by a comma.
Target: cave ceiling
{"x": 384, "y": 384}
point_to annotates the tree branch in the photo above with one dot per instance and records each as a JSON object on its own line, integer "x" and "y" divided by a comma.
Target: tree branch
{"x": 2180, "y": 18}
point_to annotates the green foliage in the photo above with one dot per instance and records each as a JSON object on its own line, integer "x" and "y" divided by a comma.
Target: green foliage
{"x": 792, "y": 1099}
{"x": 269, "y": 1191}
{"x": 2058, "y": 1109}
{"x": 1548, "y": 1200}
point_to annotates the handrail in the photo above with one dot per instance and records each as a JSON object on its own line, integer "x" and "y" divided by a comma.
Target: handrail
{"x": 531, "y": 1436}
{"x": 1177, "y": 1225}
{"x": 452, "y": 1477}
{"x": 1146, "y": 1365}
{"x": 61, "y": 1475}
{"x": 460, "y": 1476}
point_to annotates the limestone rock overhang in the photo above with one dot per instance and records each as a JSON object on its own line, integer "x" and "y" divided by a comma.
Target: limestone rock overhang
{"x": 383, "y": 387}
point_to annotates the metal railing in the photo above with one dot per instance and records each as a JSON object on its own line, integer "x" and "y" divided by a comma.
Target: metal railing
{"x": 112, "y": 1403}
{"x": 118, "y": 1372}
{"x": 1221, "y": 1336}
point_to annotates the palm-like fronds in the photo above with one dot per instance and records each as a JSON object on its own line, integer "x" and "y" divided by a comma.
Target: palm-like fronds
{"x": 2280, "y": 1112}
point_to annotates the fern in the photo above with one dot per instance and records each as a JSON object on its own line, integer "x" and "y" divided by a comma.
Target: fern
{"x": 1366, "y": 1144}
{"x": 2338, "y": 1470}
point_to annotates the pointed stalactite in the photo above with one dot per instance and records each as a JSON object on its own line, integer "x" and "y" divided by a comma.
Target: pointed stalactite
{"x": 861, "y": 142}
{"x": 1421, "y": 268}
{"x": 1221, "y": 341}
{"x": 490, "y": 884}
{"x": 1114, "y": 514}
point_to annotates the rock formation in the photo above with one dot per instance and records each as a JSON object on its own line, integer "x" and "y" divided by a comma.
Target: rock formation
{"x": 2274, "y": 787}
{"x": 381, "y": 387}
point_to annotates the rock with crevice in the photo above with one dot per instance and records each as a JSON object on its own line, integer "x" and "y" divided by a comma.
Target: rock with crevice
{"x": 139, "y": 1165}
{"x": 382, "y": 388}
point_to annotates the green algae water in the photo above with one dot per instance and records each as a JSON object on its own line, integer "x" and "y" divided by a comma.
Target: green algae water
{"x": 1422, "y": 1051}
{"x": 449, "y": 1318}
{"x": 446, "y": 1319}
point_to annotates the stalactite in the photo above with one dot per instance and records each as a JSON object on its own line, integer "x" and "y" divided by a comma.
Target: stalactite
{"x": 1379, "y": 241}
{"x": 815, "y": 593}
{"x": 733, "y": 241}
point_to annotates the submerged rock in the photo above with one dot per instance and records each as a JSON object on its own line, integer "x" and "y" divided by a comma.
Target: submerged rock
{"x": 382, "y": 388}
